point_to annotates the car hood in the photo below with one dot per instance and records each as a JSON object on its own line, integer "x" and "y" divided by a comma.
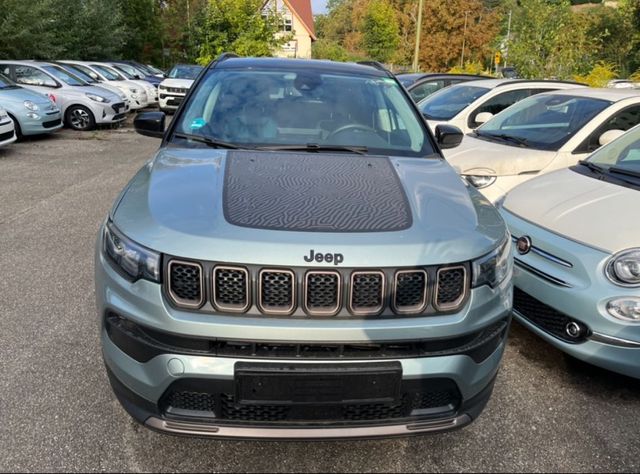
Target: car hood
{"x": 19, "y": 95}
{"x": 212, "y": 204}
{"x": 181, "y": 83}
{"x": 584, "y": 209}
{"x": 485, "y": 158}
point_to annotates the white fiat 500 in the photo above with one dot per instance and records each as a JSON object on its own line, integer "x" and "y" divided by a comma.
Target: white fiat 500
{"x": 577, "y": 258}
{"x": 543, "y": 133}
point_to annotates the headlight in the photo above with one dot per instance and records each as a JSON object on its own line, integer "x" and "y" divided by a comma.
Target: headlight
{"x": 132, "y": 259}
{"x": 98, "y": 98}
{"x": 31, "y": 106}
{"x": 493, "y": 268}
{"x": 33, "y": 115}
{"x": 163, "y": 88}
{"x": 625, "y": 308}
{"x": 481, "y": 181}
{"x": 624, "y": 268}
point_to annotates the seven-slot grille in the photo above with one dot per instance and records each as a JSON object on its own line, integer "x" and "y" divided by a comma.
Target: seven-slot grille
{"x": 273, "y": 291}
{"x": 451, "y": 287}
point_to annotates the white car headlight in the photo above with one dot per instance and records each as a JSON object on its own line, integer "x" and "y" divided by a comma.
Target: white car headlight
{"x": 31, "y": 106}
{"x": 624, "y": 268}
{"x": 163, "y": 88}
{"x": 494, "y": 267}
{"x": 480, "y": 181}
{"x": 625, "y": 308}
{"x": 98, "y": 98}
{"x": 130, "y": 258}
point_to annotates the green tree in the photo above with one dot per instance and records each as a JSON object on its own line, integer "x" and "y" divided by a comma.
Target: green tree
{"x": 380, "y": 31}
{"x": 142, "y": 30}
{"x": 26, "y": 29}
{"x": 240, "y": 26}
{"x": 549, "y": 40}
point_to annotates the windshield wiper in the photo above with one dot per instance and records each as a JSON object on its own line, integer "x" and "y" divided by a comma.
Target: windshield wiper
{"x": 315, "y": 147}
{"x": 624, "y": 171}
{"x": 504, "y": 137}
{"x": 207, "y": 141}
{"x": 592, "y": 166}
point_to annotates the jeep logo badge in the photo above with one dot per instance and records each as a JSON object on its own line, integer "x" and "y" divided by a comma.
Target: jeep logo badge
{"x": 335, "y": 258}
{"x": 523, "y": 245}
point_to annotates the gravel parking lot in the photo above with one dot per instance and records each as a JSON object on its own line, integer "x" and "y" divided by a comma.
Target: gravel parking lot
{"x": 57, "y": 411}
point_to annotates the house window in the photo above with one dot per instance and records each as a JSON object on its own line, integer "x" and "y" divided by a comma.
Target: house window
{"x": 288, "y": 23}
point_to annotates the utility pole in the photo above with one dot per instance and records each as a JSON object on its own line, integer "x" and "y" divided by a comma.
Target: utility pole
{"x": 506, "y": 52}
{"x": 464, "y": 37}
{"x": 416, "y": 53}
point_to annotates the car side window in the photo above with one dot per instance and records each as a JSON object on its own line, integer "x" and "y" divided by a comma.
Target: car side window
{"x": 497, "y": 104}
{"x": 425, "y": 89}
{"x": 5, "y": 69}
{"x": 31, "y": 76}
{"x": 622, "y": 120}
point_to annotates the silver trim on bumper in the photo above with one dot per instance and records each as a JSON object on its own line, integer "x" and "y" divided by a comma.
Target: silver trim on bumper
{"x": 217, "y": 431}
{"x": 613, "y": 341}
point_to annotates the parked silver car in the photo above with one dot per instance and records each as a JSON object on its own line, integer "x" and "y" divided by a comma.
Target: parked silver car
{"x": 83, "y": 106}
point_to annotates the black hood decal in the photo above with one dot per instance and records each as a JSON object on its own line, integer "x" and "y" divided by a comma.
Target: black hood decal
{"x": 314, "y": 193}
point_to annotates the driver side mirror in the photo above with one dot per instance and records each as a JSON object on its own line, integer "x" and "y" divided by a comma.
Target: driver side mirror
{"x": 609, "y": 136}
{"x": 448, "y": 136}
{"x": 483, "y": 117}
{"x": 150, "y": 124}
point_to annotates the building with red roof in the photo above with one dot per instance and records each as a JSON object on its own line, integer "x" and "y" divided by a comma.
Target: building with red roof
{"x": 298, "y": 22}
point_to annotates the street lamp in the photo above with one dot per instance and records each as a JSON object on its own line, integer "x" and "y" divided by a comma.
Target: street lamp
{"x": 464, "y": 37}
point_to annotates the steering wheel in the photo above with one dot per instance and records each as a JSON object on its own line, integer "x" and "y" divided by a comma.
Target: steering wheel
{"x": 352, "y": 126}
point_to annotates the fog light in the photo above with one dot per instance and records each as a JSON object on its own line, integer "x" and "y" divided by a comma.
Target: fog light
{"x": 33, "y": 115}
{"x": 626, "y": 309}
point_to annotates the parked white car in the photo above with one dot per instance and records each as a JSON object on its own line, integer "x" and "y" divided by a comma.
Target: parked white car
{"x": 83, "y": 106}
{"x": 469, "y": 105}
{"x": 541, "y": 134}
{"x": 124, "y": 70}
{"x": 135, "y": 92}
{"x": 175, "y": 87}
{"x": 7, "y": 129}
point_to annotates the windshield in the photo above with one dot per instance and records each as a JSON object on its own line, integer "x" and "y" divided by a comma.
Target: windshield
{"x": 84, "y": 69}
{"x": 543, "y": 122}
{"x": 108, "y": 73}
{"x": 6, "y": 83}
{"x": 305, "y": 108}
{"x": 77, "y": 72}
{"x": 129, "y": 70}
{"x": 154, "y": 69}
{"x": 64, "y": 76}
{"x": 185, "y": 72}
{"x": 449, "y": 102}
{"x": 622, "y": 154}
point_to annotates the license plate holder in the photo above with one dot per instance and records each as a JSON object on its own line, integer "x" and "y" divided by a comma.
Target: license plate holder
{"x": 317, "y": 384}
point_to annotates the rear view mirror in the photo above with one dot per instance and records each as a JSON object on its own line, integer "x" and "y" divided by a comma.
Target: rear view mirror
{"x": 609, "y": 136}
{"x": 483, "y": 117}
{"x": 448, "y": 136}
{"x": 150, "y": 124}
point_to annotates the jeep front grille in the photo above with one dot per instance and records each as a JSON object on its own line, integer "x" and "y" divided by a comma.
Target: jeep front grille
{"x": 186, "y": 283}
{"x": 231, "y": 288}
{"x": 301, "y": 292}
{"x": 276, "y": 291}
{"x": 367, "y": 293}
{"x": 451, "y": 287}
{"x": 322, "y": 293}
{"x": 410, "y": 294}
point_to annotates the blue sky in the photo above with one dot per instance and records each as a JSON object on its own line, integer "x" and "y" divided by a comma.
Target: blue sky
{"x": 319, "y": 6}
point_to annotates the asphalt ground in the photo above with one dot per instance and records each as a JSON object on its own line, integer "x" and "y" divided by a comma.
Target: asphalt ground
{"x": 57, "y": 412}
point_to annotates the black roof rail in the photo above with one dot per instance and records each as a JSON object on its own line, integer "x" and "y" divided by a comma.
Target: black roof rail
{"x": 524, "y": 81}
{"x": 222, "y": 57}
{"x": 376, "y": 65}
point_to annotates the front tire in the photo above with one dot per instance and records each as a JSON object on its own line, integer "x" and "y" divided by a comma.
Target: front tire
{"x": 80, "y": 118}
{"x": 16, "y": 126}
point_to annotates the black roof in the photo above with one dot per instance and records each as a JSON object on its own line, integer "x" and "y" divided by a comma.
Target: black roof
{"x": 304, "y": 64}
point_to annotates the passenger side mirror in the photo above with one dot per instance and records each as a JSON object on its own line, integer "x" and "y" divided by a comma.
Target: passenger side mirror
{"x": 483, "y": 117}
{"x": 609, "y": 136}
{"x": 448, "y": 136}
{"x": 150, "y": 124}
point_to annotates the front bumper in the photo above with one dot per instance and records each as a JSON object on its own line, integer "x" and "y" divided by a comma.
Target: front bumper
{"x": 456, "y": 382}
{"x": 47, "y": 123}
{"x": 169, "y": 101}
{"x": 7, "y": 133}
{"x": 109, "y": 113}
{"x": 550, "y": 294}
